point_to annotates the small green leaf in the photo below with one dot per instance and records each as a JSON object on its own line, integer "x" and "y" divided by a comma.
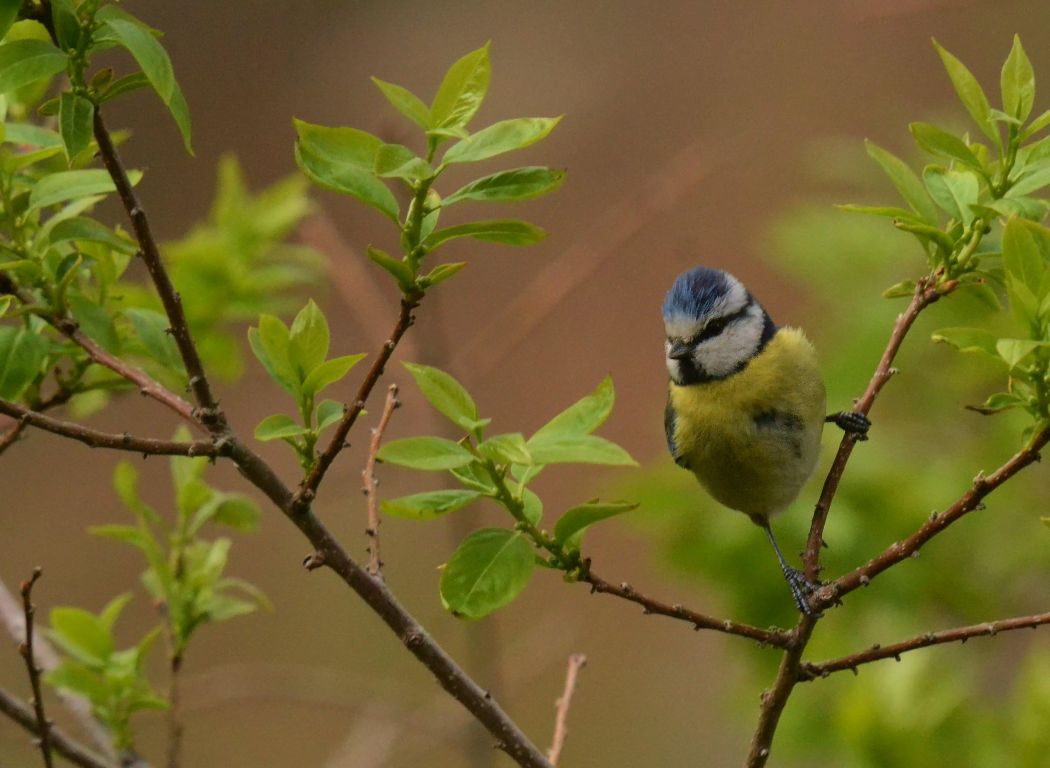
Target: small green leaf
{"x": 1029, "y": 183}
{"x": 446, "y": 394}
{"x": 438, "y": 274}
{"x": 33, "y": 135}
{"x": 95, "y": 321}
{"x": 427, "y": 506}
{"x": 123, "y": 85}
{"x": 25, "y": 61}
{"x": 970, "y": 92}
{"x": 308, "y": 340}
{"x": 405, "y": 102}
{"x": 940, "y": 142}
{"x": 22, "y": 354}
{"x": 1014, "y": 351}
{"x": 395, "y": 267}
{"x": 427, "y": 453}
{"x": 400, "y": 162}
{"x": 82, "y": 635}
{"x": 329, "y": 412}
{"x": 506, "y": 231}
{"x": 582, "y": 417}
{"x": 1036, "y": 125}
{"x": 5, "y": 304}
{"x": 905, "y": 288}
{"x": 954, "y": 191}
{"x": 997, "y": 403}
{"x": 8, "y": 14}
{"x": 229, "y": 509}
{"x": 270, "y": 343}
{"x": 531, "y": 506}
{"x": 516, "y": 184}
{"x": 488, "y": 570}
{"x": 69, "y": 185}
{"x": 905, "y": 180}
{"x": 76, "y": 117}
{"x": 926, "y": 234}
{"x": 509, "y": 448}
{"x": 877, "y": 210}
{"x": 462, "y": 90}
{"x": 564, "y": 447}
{"x": 156, "y": 65}
{"x": 152, "y": 329}
{"x": 475, "y": 476}
{"x": 1026, "y": 255}
{"x": 568, "y": 531}
{"x": 278, "y": 427}
{"x": 1018, "y": 82}
{"x": 329, "y": 372}
{"x": 500, "y": 137}
{"x": 968, "y": 339}
{"x": 86, "y": 230}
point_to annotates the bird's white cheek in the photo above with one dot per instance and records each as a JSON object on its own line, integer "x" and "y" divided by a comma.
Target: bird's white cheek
{"x": 674, "y": 368}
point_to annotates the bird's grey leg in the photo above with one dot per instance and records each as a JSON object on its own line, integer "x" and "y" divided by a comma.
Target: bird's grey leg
{"x": 852, "y": 422}
{"x": 800, "y": 586}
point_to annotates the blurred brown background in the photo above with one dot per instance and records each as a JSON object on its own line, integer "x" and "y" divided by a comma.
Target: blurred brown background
{"x": 689, "y": 126}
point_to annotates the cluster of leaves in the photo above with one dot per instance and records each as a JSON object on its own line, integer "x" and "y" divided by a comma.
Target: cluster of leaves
{"x": 185, "y": 578}
{"x": 493, "y": 565}
{"x": 356, "y": 163}
{"x": 984, "y": 185}
{"x": 114, "y": 682}
{"x": 297, "y": 359}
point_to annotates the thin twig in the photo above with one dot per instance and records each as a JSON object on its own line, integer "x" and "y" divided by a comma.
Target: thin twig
{"x": 778, "y": 638}
{"x": 561, "y": 729}
{"x": 174, "y": 711}
{"x": 43, "y": 725}
{"x": 774, "y": 699}
{"x": 308, "y": 488}
{"x": 927, "y": 291}
{"x": 375, "y": 564}
{"x": 121, "y": 442}
{"x": 65, "y": 745}
{"x": 208, "y": 413}
{"x": 968, "y": 502}
{"x": 11, "y": 435}
{"x": 959, "y": 634}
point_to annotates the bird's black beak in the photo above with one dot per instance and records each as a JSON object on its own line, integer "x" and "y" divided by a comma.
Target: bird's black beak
{"x": 679, "y": 350}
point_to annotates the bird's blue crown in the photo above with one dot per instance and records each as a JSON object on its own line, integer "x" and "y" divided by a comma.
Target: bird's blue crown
{"x": 695, "y": 292}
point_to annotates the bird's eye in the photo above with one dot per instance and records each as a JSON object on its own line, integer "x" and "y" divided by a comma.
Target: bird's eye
{"x": 713, "y": 328}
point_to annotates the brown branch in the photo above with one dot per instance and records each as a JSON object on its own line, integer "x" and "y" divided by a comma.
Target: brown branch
{"x": 561, "y": 730}
{"x": 65, "y": 745}
{"x": 308, "y": 488}
{"x": 43, "y": 725}
{"x": 209, "y": 413}
{"x": 175, "y": 728}
{"x": 927, "y": 291}
{"x": 375, "y": 564}
{"x": 778, "y": 638}
{"x": 968, "y": 502}
{"x": 10, "y": 436}
{"x": 121, "y": 442}
{"x": 959, "y": 634}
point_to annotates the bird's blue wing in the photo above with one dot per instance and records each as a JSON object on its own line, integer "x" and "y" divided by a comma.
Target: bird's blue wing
{"x": 669, "y": 424}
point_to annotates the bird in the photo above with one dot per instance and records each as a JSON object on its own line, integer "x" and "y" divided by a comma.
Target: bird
{"x": 746, "y": 402}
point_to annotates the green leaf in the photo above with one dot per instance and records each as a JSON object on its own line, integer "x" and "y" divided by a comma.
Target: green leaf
{"x": 582, "y": 417}
{"x": 229, "y": 509}
{"x": 462, "y": 90}
{"x": 954, "y": 191}
{"x": 970, "y": 92}
{"x": 568, "y": 531}
{"x": 405, "y": 102}
{"x": 95, "y": 321}
{"x": 509, "y": 448}
{"x": 109, "y": 615}
{"x": 278, "y": 427}
{"x": 488, "y": 570}
{"x": 270, "y": 343}
{"x": 65, "y": 22}
{"x": 1014, "y": 351}
{"x": 328, "y": 413}
{"x": 475, "y": 476}
{"x": 82, "y": 635}
{"x": 33, "y": 135}
{"x": 1029, "y": 183}
{"x": 905, "y": 288}
{"x": 1026, "y": 255}
{"x": 22, "y": 354}
{"x": 940, "y": 142}
{"x": 8, "y": 14}
{"x": 308, "y": 340}
{"x": 25, "y": 61}
{"x": 78, "y": 679}
{"x": 438, "y": 274}
{"x": 400, "y": 162}
{"x": 968, "y": 339}
{"x": 516, "y": 184}
{"x": 397, "y": 268}
{"x": 506, "y": 231}
{"x": 1018, "y": 82}
{"x": 69, "y": 185}
{"x": 565, "y": 447}
{"x": 329, "y": 372}
{"x": 156, "y": 65}
{"x": 877, "y": 210}
{"x": 997, "y": 403}
{"x": 123, "y": 85}
{"x": 427, "y": 453}
{"x": 427, "y": 506}
{"x": 905, "y": 180}
{"x": 152, "y": 329}
{"x": 504, "y": 136}
{"x": 447, "y": 395}
{"x": 76, "y": 117}
{"x": 531, "y": 506}
{"x": 83, "y": 229}
{"x": 1036, "y": 125}
{"x": 5, "y": 304}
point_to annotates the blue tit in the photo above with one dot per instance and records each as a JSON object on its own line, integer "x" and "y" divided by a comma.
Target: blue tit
{"x": 746, "y": 401}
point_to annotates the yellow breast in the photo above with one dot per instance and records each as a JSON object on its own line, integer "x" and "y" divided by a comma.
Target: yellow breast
{"x": 753, "y": 438}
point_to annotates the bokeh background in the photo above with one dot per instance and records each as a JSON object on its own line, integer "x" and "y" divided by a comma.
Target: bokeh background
{"x": 695, "y": 132}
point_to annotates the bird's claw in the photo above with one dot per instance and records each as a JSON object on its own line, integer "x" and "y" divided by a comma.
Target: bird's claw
{"x": 852, "y": 423}
{"x": 801, "y": 589}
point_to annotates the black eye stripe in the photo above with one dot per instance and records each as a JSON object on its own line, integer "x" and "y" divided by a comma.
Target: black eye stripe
{"x": 719, "y": 324}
